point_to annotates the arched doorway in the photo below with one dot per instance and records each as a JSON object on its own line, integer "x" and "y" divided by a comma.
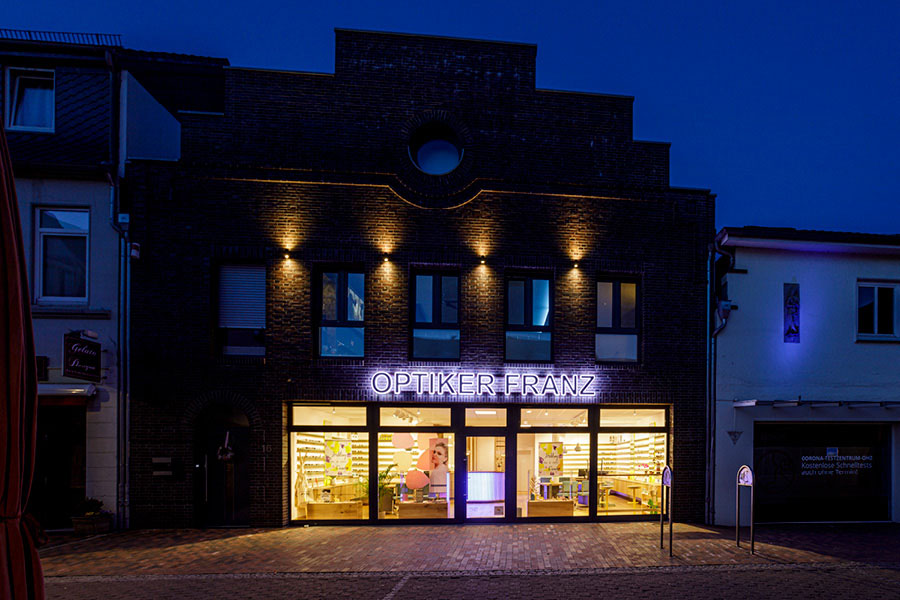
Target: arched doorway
{"x": 222, "y": 467}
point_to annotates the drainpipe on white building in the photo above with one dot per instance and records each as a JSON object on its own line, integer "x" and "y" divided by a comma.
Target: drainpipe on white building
{"x": 713, "y": 303}
{"x": 119, "y": 223}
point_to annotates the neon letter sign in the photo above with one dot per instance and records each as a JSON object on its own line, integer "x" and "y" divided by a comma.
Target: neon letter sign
{"x": 483, "y": 384}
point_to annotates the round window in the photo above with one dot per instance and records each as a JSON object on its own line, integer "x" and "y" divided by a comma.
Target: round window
{"x": 435, "y": 149}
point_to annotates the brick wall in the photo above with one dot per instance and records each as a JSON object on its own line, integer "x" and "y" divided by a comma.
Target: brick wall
{"x": 318, "y": 164}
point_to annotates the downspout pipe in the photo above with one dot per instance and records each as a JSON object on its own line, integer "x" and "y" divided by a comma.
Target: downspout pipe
{"x": 712, "y": 331}
{"x": 114, "y": 178}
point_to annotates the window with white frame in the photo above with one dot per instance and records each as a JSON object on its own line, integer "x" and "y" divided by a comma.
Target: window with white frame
{"x": 30, "y": 103}
{"x": 876, "y": 310}
{"x": 242, "y": 310}
{"x": 62, "y": 255}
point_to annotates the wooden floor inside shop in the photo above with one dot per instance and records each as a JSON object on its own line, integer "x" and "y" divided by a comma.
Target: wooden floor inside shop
{"x": 614, "y": 506}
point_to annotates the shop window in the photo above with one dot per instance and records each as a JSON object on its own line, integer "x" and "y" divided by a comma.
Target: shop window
{"x": 629, "y": 471}
{"x": 485, "y": 417}
{"x": 30, "y": 100}
{"x": 876, "y": 310}
{"x": 329, "y": 475}
{"x": 529, "y": 309}
{"x": 415, "y": 475}
{"x": 618, "y": 322}
{"x": 554, "y": 417}
{"x": 325, "y": 415}
{"x": 435, "y": 316}
{"x": 341, "y": 307}
{"x": 242, "y": 310}
{"x": 62, "y": 238}
{"x": 632, "y": 417}
{"x": 411, "y": 416}
{"x": 553, "y": 474}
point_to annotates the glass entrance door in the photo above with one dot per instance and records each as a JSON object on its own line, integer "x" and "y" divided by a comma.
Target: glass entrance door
{"x": 485, "y": 477}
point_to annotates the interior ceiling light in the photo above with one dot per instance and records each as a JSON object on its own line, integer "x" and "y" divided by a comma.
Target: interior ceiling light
{"x": 485, "y": 412}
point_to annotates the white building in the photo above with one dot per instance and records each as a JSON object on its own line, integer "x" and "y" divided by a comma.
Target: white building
{"x": 74, "y": 116}
{"x": 807, "y": 375}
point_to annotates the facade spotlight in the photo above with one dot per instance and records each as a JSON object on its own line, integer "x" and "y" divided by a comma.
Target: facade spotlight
{"x": 576, "y": 265}
{"x": 385, "y": 259}
{"x": 286, "y": 255}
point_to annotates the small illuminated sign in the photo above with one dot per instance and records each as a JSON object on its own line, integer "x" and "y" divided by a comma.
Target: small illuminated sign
{"x": 472, "y": 383}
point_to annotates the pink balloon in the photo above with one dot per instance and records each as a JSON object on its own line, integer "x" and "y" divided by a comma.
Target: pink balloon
{"x": 416, "y": 480}
{"x": 424, "y": 462}
{"x": 402, "y": 440}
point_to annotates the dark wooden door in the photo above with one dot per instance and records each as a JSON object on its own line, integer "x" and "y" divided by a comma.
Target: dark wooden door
{"x": 222, "y": 453}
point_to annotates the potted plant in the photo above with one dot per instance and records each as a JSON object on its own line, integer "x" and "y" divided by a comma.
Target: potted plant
{"x": 385, "y": 492}
{"x": 90, "y": 518}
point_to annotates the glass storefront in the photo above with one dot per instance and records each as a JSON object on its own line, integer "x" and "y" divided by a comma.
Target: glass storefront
{"x": 415, "y": 475}
{"x": 394, "y": 462}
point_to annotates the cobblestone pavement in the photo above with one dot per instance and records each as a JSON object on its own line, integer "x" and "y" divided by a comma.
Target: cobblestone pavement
{"x": 744, "y": 581}
{"x": 477, "y": 562}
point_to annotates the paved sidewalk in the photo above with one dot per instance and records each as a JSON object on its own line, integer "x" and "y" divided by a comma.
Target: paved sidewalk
{"x": 459, "y": 548}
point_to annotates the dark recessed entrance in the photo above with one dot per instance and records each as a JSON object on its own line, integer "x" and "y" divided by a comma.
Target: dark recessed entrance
{"x": 221, "y": 460}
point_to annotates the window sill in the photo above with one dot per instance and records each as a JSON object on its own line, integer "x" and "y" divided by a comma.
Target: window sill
{"x": 231, "y": 360}
{"x": 632, "y": 364}
{"x": 331, "y": 360}
{"x": 21, "y": 129}
{"x": 877, "y": 339}
{"x": 64, "y": 312}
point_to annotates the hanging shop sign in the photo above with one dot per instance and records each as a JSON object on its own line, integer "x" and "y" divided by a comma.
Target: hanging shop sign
{"x": 472, "y": 383}
{"x": 81, "y": 358}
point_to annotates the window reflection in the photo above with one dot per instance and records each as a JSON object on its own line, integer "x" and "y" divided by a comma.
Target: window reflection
{"x": 449, "y": 299}
{"x": 355, "y": 295}
{"x": 516, "y": 302}
{"x": 436, "y": 343}
{"x": 541, "y": 303}
{"x": 342, "y": 341}
{"x": 329, "y": 296}
{"x": 528, "y": 345}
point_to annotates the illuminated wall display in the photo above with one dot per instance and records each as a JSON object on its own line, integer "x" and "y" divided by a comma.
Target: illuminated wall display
{"x": 483, "y": 384}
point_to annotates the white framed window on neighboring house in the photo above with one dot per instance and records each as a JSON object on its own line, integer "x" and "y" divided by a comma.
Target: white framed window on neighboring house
{"x": 62, "y": 241}
{"x": 30, "y": 100}
{"x": 242, "y": 310}
{"x": 877, "y": 310}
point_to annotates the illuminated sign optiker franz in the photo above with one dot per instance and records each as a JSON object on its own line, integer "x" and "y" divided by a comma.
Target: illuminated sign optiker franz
{"x": 482, "y": 384}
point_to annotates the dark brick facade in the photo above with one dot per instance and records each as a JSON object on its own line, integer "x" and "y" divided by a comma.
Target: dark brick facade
{"x": 317, "y": 165}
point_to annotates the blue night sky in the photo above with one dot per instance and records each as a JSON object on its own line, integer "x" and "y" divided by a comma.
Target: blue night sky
{"x": 789, "y": 111}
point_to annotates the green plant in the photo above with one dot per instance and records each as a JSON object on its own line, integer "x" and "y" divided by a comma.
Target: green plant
{"x": 90, "y": 507}
{"x": 384, "y": 478}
